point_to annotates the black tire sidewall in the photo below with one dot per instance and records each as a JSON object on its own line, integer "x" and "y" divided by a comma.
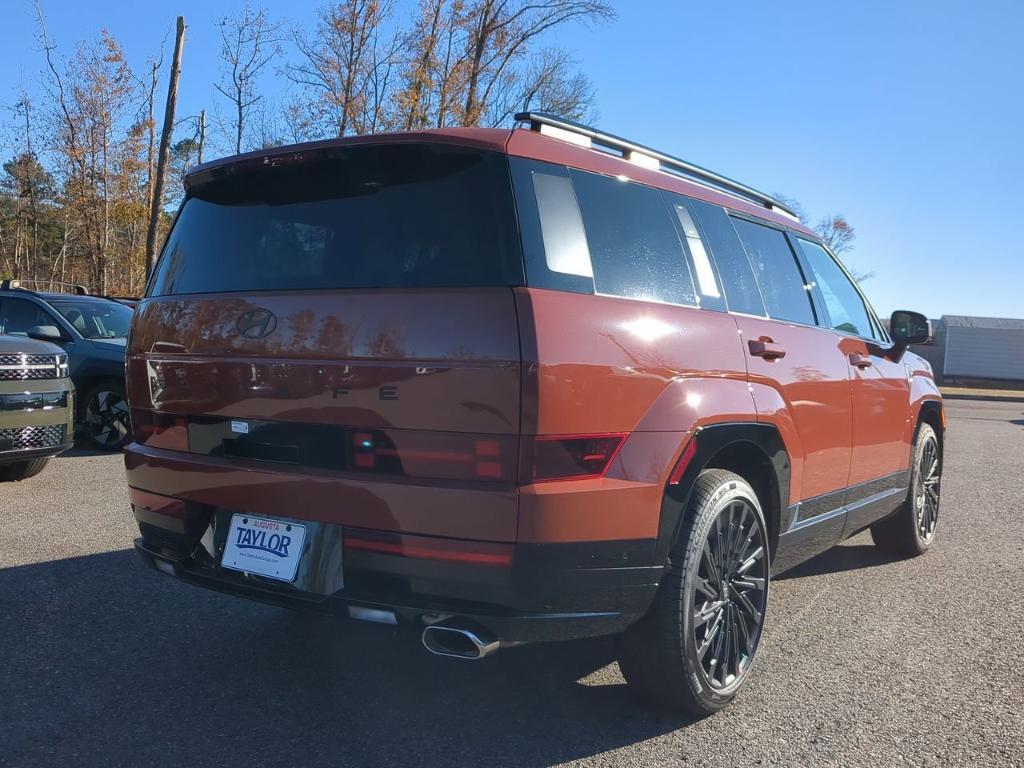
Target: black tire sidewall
{"x": 23, "y": 470}
{"x": 735, "y": 487}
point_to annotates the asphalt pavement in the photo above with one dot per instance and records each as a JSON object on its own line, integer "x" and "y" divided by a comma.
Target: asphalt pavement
{"x": 866, "y": 660}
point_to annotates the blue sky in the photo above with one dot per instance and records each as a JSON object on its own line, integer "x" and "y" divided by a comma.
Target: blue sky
{"x": 906, "y": 117}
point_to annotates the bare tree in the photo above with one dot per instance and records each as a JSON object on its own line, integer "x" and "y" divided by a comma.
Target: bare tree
{"x": 249, "y": 41}
{"x": 836, "y": 232}
{"x": 550, "y": 84}
{"x": 156, "y": 203}
{"x": 344, "y": 66}
{"x": 476, "y": 63}
{"x": 378, "y": 113}
{"x": 148, "y": 87}
{"x": 500, "y": 33}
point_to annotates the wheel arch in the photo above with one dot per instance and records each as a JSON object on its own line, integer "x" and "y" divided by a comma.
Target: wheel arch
{"x": 931, "y": 413}
{"x": 755, "y": 452}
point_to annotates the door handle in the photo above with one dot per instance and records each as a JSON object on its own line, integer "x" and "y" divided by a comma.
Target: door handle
{"x": 766, "y": 348}
{"x": 860, "y": 361}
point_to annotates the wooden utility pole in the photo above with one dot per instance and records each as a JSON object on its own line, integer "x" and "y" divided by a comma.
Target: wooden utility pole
{"x": 165, "y": 148}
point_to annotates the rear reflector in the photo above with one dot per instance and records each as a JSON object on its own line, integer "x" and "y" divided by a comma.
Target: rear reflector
{"x": 565, "y": 457}
{"x": 159, "y": 430}
{"x": 154, "y": 502}
{"x": 429, "y": 547}
{"x": 684, "y": 461}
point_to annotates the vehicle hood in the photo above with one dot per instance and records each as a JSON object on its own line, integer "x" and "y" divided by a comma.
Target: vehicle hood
{"x": 22, "y": 345}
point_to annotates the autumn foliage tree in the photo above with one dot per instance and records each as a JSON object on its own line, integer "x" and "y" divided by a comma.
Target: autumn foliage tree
{"x": 78, "y": 167}
{"x": 341, "y": 66}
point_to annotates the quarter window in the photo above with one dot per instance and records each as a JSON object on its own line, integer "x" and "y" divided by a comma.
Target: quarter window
{"x": 778, "y": 274}
{"x": 565, "y": 244}
{"x": 634, "y": 247}
{"x": 846, "y": 309}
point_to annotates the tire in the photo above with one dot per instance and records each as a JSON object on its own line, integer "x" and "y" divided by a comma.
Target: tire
{"x": 22, "y": 470}
{"x": 671, "y": 656}
{"x": 910, "y": 530}
{"x": 105, "y": 419}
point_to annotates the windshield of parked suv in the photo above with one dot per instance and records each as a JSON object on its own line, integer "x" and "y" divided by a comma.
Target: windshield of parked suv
{"x": 405, "y": 215}
{"x": 96, "y": 319}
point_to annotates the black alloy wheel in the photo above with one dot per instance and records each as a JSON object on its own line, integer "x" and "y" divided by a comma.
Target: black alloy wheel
{"x": 926, "y": 490}
{"x": 730, "y": 595}
{"x": 694, "y": 648}
{"x": 910, "y": 530}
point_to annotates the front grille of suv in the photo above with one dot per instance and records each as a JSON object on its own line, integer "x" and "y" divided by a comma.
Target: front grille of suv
{"x": 32, "y": 367}
{"x": 19, "y": 438}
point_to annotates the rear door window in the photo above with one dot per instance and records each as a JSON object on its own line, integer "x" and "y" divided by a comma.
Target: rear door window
{"x": 633, "y": 243}
{"x": 709, "y": 291}
{"x": 741, "y": 290}
{"x": 17, "y": 316}
{"x": 786, "y": 296}
{"x": 396, "y": 216}
{"x": 846, "y": 309}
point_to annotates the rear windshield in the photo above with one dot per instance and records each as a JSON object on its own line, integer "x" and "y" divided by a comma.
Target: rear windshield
{"x": 398, "y": 216}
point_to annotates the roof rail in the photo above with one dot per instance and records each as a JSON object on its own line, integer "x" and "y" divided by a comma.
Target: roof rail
{"x": 80, "y": 290}
{"x": 582, "y": 135}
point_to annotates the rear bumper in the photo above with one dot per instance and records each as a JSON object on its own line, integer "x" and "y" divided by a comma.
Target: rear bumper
{"x": 540, "y": 591}
{"x": 550, "y": 592}
{"x": 542, "y": 596}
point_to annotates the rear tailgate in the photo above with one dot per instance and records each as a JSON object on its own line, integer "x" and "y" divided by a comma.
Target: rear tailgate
{"x": 334, "y": 338}
{"x": 430, "y": 377}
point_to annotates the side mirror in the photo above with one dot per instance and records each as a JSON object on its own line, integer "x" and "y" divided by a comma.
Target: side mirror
{"x": 45, "y": 333}
{"x": 906, "y": 327}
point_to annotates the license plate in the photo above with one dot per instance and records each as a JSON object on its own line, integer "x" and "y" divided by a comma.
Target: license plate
{"x": 270, "y": 548}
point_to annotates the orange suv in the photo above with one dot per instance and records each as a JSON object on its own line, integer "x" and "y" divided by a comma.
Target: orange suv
{"x": 517, "y": 385}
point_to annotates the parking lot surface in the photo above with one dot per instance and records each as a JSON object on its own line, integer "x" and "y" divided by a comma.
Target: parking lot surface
{"x": 865, "y": 661}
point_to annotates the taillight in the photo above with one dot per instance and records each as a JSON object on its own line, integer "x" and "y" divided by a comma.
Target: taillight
{"x": 456, "y": 456}
{"x": 159, "y": 430}
{"x": 565, "y": 457}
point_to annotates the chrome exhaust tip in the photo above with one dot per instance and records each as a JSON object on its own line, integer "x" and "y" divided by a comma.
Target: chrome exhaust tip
{"x": 459, "y": 642}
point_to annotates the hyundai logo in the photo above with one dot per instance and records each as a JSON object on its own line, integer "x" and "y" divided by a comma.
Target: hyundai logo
{"x": 257, "y": 324}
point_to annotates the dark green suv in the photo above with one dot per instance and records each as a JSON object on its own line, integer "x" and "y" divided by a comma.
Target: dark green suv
{"x": 37, "y": 403}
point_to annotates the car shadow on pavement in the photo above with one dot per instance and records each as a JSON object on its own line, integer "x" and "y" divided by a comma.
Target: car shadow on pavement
{"x": 110, "y": 663}
{"x": 81, "y": 450}
{"x": 846, "y": 557}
